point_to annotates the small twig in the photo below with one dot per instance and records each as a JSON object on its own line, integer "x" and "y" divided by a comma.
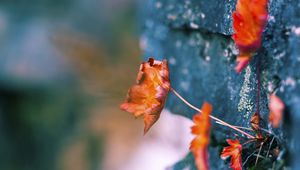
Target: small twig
{"x": 248, "y": 157}
{"x": 249, "y": 141}
{"x": 270, "y": 146}
{"x": 246, "y": 128}
{"x": 258, "y": 84}
{"x": 259, "y": 153}
{"x": 240, "y": 127}
{"x": 212, "y": 117}
{"x": 259, "y": 156}
{"x": 266, "y": 130}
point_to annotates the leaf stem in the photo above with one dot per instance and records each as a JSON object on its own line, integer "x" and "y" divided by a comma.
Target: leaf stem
{"x": 212, "y": 117}
{"x": 239, "y": 127}
{"x": 258, "y": 84}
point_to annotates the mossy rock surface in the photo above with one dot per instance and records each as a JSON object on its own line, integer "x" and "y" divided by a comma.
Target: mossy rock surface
{"x": 195, "y": 37}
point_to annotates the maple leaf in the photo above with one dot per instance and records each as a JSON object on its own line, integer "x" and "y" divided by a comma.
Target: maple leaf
{"x": 147, "y": 97}
{"x": 255, "y": 125}
{"x": 235, "y": 151}
{"x": 202, "y": 131}
{"x": 254, "y": 121}
{"x": 276, "y": 108}
{"x": 249, "y": 20}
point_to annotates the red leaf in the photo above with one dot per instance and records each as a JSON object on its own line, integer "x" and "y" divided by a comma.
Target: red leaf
{"x": 276, "y": 108}
{"x": 249, "y": 20}
{"x": 255, "y": 125}
{"x": 254, "y": 121}
{"x": 202, "y": 131}
{"x": 242, "y": 62}
{"x": 235, "y": 151}
{"x": 147, "y": 97}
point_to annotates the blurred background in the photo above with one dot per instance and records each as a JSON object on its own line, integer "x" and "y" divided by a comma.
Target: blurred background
{"x": 65, "y": 67}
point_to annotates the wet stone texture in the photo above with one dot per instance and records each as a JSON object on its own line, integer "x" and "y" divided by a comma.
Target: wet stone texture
{"x": 195, "y": 37}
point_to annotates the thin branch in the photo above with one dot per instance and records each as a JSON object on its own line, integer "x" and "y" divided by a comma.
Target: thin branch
{"x": 247, "y": 128}
{"x": 258, "y": 84}
{"x": 258, "y": 155}
{"x": 248, "y": 157}
{"x": 252, "y": 140}
{"x": 212, "y": 117}
{"x": 240, "y": 127}
{"x": 270, "y": 146}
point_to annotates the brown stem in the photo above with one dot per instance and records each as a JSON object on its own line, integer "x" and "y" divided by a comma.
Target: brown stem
{"x": 212, "y": 117}
{"x": 258, "y": 84}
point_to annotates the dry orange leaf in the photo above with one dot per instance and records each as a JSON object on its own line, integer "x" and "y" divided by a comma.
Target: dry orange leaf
{"x": 235, "y": 151}
{"x": 254, "y": 121}
{"x": 249, "y": 20}
{"x": 276, "y": 108}
{"x": 147, "y": 97}
{"x": 202, "y": 131}
{"x": 255, "y": 125}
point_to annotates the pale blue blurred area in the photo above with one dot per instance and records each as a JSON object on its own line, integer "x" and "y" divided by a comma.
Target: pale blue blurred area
{"x": 58, "y": 58}
{"x": 28, "y": 54}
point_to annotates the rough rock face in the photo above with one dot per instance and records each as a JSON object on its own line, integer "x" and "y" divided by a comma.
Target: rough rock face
{"x": 195, "y": 37}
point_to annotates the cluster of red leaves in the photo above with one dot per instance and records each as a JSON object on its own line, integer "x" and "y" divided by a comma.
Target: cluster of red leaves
{"x": 147, "y": 97}
{"x": 202, "y": 131}
{"x": 249, "y": 20}
{"x": 276, "y": 108}
{"x": 234, "y": 151}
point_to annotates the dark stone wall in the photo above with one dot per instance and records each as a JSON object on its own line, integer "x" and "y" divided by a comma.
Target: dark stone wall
{"x": 195, "y": 37}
